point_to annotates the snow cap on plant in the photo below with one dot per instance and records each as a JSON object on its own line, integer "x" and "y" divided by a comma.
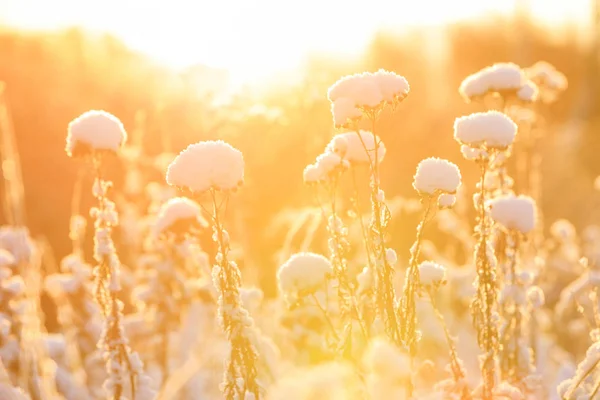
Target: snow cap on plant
{"x": 313, "y": 174}
{"x": 94, "y": 131}
{"x": 357, "y": 147}
{"x": 344, "y": 112}
{"x": 390, "y": 256}
{"x": 491, "y": 129}
{"x": 528, "y": 93}
{"x": 179, "y": 215}
{"x": 6, "y": 259}
{"x": 303, "y": 273}
{"x": 446, "y": 200}
{"x": 514, "y": 212}
{"x": 431, "y": 274}
{"x": 498, "y": 78}
{"x": 549, "y": 80}
{"x": 207, "y": 165}
{"x": 436, "y": 175}
{"x": 369, "y": 90}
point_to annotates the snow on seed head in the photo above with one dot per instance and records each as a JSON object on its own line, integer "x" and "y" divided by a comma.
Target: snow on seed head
{"x": 514, "y": 212}
{"x": 357, "y": 147}
{"x": 436, "y": 175}
{"x": 344, "y": 112}
{"x": 178, "y": 215}
{"x": 446, "y": 200}
{"x": 94, "y": 131}
{"x": 303, "y": 273}
{"x": 431, "y": 274}
{"x": 491, "y": 129}
{"x": 528, "y": 93}
{"x": 501, "y": 77}
{"x": 207, "y": 165}
{"x": 353, "y": 93}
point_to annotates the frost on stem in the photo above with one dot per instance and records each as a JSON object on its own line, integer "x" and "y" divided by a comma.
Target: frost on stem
{"x": 483, "y": 137}
{"x": 92, "y": 135}
{"x": 212, "y": 167}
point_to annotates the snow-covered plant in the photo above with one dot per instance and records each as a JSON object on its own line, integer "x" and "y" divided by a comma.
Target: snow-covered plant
{"x": 505, "y": 79}
{"x": 483, "y": 136}
{"x": 586, "y": 382}
{"x": 303, "y": 279}
{"x": 434, "y": 177}
{"x": 514, "y": 213}
{"x": 168, "y": 286}
{"x": 12, "y": 304}
{"x": 367, "y": 93}
{"x": 79, "y": 315}
{"x": 548, "y": 79}
{"x": 93, "y": 136}
{"x": 354, "y": 98}
{"x": 517, "y": 215}
{"x": 345, "y": 151}
{"x": 216, "y": 168}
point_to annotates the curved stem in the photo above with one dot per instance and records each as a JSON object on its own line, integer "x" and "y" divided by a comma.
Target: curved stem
{"x": 326, "y": 316}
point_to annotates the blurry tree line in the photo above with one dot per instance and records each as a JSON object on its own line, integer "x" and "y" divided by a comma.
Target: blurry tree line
{"x": 52, "y": 78}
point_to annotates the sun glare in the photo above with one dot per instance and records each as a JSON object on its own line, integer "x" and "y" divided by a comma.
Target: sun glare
{"x": 253, "y": 40}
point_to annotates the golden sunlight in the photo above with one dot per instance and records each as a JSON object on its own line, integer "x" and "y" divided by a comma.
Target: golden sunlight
{"x": 254, "y": 39}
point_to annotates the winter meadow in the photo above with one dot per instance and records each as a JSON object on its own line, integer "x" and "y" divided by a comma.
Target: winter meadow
{"x": 379, "y": 228}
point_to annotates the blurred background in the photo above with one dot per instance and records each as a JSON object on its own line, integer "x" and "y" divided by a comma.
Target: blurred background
{"x": 256, "y": 73}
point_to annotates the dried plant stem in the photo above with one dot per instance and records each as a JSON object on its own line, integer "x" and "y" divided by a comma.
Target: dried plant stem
{"x": 106, "y": 274}
{"x": 485, "y": 300}
{"x": 408, "y": 310}
{"x": 512, "y": 336}
{"x": 345, "y": 289}
{"x": 408, "y": 306}
{"x": 385, "y": 293}
{"x": 243, "y": 358}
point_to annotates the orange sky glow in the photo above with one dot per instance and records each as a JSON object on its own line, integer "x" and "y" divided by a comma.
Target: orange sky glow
{"x": 254, "y": 38}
